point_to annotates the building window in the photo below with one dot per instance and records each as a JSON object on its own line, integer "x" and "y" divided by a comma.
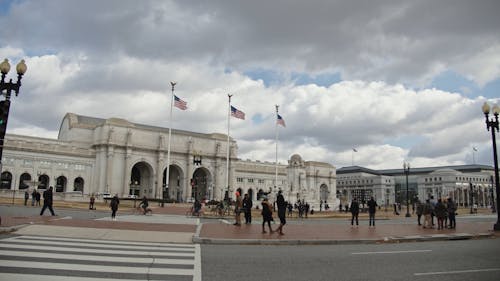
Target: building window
{"x": 250, "y": 180}
{"x": 239, "y": 179}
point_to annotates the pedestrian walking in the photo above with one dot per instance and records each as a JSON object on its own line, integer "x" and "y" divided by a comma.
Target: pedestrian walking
{"x": 452, "y": 210}
{"x": 354, "y": 211}
{"x": 420, "y": 209}
{"x": 372, "y": 207}
{"x": 247, "y": 208}
{"x": 267, "y": 215}
{"x": 114, "y": 206}
{"x": 280, "y": 201}
{"x": 237, "y": 209}
{"x": 26, "y": 197}
{"x": 440, "y": 211}
{"x": 47, "y": 201}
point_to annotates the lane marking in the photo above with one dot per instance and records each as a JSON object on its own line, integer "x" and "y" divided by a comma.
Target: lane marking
{"x": 456, "y": 271}
{"x": 391, "y": 252}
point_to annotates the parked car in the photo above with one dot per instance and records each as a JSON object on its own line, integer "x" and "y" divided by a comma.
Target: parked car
{"x": 132, "y": 196}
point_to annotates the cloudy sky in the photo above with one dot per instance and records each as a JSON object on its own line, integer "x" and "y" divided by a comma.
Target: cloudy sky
{"x": 396, "y": 80}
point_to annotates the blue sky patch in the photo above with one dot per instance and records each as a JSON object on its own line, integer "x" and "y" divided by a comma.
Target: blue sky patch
{"x": 453, "y": 82}
{"x": 271, "y": 77}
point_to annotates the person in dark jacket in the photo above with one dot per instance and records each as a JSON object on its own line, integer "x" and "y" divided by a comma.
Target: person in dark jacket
{"x": 114, "y": 206}
{"x": 440, "y": 211}
{"x": 267, "y": 215}
{"x": 247, "y": 208}
{"x": 420, "y": 210}
{"x": 372, "y": 208}
{"x": 280, "y": 201}
{"x": 452, "y": 209}
{"x": 26, "y": 197}
{"x": 354, "y": 211}
{"x": 47, "y": 201}
{"x": 37, "y": 197}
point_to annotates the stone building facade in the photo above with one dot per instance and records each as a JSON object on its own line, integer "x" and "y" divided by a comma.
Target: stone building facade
{"x": 465, "y": 184}
{"x": 96, "y": 156}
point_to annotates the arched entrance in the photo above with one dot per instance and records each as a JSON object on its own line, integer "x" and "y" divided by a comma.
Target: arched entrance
{"x": 6, "y": 180}
{"x": 141, "y": 180}
{"x": 323, "y": 193}
{"x": 43, "y": 182}
{"x": 176, "y": 178}
{"x": 200, "y": 182}
{"x": 24, "y": 181}
{"x": 78, "y": 184}
{"x": 61, "y": 183}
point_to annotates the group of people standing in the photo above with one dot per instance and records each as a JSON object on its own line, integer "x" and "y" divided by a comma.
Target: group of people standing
{"x": 35, "y": 198}
{"x": 444, "y": 211}
{"x": 372, "y": 209}
{"x": 245, "y": 206}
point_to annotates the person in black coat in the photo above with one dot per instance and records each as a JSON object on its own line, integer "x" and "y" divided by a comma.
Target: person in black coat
{"x": 372, "y": 208}
{"x": 354, "y": 211}
{"x": 280, "y": 201}
{"x": 247, "y": 208}
{"x": 267, "y": 215}
{"x": 47, "y": 201}
{"x": 114, "y": 206}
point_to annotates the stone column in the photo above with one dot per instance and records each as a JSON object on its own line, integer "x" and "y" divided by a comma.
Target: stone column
{"x": 109, "y": 171}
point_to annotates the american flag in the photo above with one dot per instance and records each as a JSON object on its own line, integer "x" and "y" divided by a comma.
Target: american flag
{"x": 180, "y": 103}
{"x": 280, "y": 121}
{"x": 237, "y": 113}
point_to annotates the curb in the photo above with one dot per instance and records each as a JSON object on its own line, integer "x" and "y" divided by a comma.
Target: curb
{"x": 292, "y": 242}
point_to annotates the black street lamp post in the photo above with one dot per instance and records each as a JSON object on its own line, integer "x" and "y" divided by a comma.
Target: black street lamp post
{"x": 6, "y": 89}
{"x": 493, "y": 124}
{"x": 406, "y": 167}
{"x": 493, "y": 209}
{"x": 471, "y": 194}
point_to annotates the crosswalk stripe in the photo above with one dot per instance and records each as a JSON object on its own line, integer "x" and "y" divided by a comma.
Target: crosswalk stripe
{"x": 49, "y": 258}
{"x": 105, "y": 242}
{"x": 96, "y": 268}
{"x": 42, "y": 255}
{"x": 37, "y": 277}
{"x": 93, "y": 251}
{"x": 104, "y": 246}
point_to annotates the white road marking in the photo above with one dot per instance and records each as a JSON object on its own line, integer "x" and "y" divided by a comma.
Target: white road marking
{"x": 457, "y": 271}
{"x": 391, "y": 252}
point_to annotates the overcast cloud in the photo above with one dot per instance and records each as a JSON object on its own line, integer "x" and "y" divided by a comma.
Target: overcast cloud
{"x": 397, "y": 80}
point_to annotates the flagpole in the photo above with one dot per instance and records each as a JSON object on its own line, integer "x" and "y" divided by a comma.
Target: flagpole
{"x": 169, "y": 138}
{"x": 276, "y": 140}
{"x": 474, "y": 155}
{"x": 227, "y": 154}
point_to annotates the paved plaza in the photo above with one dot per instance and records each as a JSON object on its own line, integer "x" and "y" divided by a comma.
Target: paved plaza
{"x": 170, "y": 224}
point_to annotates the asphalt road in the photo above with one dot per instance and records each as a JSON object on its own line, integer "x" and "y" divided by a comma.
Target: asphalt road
{"x": 451, "y": 260}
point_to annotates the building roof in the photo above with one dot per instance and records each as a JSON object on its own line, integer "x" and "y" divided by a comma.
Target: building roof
{"x": 473, "y": 168}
